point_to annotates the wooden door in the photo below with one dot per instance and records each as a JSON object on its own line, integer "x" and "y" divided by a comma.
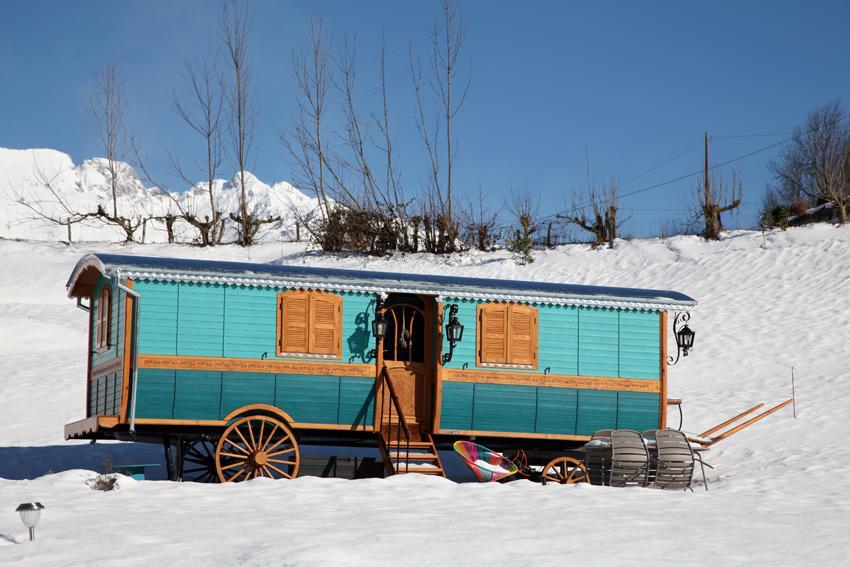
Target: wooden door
{"x": 407, "y": 355}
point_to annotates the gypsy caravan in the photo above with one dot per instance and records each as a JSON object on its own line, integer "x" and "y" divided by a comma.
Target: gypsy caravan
{"x": 233, "y": 366}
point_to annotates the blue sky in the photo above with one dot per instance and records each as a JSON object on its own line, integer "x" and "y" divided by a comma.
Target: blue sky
{"x": 632, "y": 84}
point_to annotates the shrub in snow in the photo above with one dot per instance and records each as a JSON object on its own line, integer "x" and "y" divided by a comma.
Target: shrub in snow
{"x": 103, "y": 482}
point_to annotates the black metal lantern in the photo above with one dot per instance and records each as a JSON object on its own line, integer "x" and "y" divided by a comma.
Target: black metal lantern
{"x": 379, "y": 326}
{"x": 454, "y": 332}
{"x": 684, "y": 337}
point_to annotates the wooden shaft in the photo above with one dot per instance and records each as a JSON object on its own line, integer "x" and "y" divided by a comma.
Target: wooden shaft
{"x": 749, "y": 422}
{"x": 730, "y": 421}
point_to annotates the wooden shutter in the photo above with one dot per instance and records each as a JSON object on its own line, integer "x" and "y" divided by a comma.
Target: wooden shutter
{"x": 104, "y": 318}
{"x": 325, "y": 323}
{"x": 492, "y": 336}
{"x": 294, "y": 327}
{"x": 522, "y": 335}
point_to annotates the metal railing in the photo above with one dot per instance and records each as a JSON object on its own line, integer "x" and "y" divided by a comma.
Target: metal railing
{"x": 392, "y": 445}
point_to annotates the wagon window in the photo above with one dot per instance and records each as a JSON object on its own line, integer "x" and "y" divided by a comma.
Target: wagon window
{"x": 309, "y": 324}
{"x": 507, "y": 335}
{"x": 104, "y": 318}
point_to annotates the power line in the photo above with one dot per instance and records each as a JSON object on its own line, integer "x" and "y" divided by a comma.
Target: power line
{"x": 662, "y": 164}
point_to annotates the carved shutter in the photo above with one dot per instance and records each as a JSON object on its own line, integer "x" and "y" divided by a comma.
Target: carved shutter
{"x": 493, "y": 339}
{"x": 522, "y": 340}
{"x": 295, "y": 310}
{"x": 325, "y": 323}
{"x": 104, "y": 316}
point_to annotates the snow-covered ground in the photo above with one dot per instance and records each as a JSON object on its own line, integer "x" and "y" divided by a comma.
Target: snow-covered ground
{"x": 780, "y": 492}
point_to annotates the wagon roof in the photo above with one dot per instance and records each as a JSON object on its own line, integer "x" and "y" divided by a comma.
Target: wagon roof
{"x": 285, "y": 275}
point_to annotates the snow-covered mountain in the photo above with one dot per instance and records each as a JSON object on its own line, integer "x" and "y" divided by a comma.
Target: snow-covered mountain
{"x": 26, "y": 174}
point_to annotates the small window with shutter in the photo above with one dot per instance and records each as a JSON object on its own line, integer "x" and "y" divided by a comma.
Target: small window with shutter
{"x": 507, "y": 335}
{"x": 104, "y": 319}
{"x": 309, "y": 324}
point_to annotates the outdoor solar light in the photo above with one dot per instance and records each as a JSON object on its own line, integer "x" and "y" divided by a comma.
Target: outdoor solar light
{"x": 454, "y": 332}
{"x": 30, "y": 513}
{"x": 684, "y": 337}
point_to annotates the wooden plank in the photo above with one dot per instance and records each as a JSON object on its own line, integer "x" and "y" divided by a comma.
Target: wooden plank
{"x": 512, "y": 434}
{"x": 662, "y": 412}
{"x": 552, "y": 380}
{"x": 749, "y": 422}
{"x": 729, "y": 421}
{"x": 126, "y": 375}
{"x": 438, "y": 371}
{"x": 213, "y": 363}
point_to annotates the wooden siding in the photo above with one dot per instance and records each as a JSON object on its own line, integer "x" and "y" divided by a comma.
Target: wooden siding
{"x": 543, "y": 410}
{"x": 233, "y": 321}
{"x": 104, "y": 394}
{"x": 157, "y": 316}
{"x": 579, "y": 341}
{"x": 203, "y": 395}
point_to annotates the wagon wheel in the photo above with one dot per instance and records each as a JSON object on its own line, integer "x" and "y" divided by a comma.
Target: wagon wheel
{"x": 254, "y": 446}
{"x": 564, "y": 470}
{"x": 199, "y": 461}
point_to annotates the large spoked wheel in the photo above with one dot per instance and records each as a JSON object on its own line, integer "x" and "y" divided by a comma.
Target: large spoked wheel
{"x": 256, "y": 446}
{"x": 564, "y": 470}
{"x": 199, "y": 461}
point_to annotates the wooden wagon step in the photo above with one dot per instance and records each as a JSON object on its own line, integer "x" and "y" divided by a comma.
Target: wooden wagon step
{"x": 420, "y": 468}
{"x": 413, "y": 456}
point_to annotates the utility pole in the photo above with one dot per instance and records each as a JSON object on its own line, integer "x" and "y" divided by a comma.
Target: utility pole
{"x": 707, "y": 186}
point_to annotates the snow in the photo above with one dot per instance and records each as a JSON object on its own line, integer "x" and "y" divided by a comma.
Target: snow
{"x": 780, "y": 490}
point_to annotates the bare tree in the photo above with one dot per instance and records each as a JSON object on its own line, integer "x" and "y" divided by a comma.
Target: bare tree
{"x": 716, "y": 196}
{"x": 598, "y": 214}
{"x": 105, "y": 112}
{"x": 525, "y": 208}
{"x": 305, "y": 143}
{"x": 816, "y": 163}
{"x": 56, "y": 209}
{"x": 243, "y": 113}
{"x": 447, "y": 38}
{"x": 203, "y": 114}
{"x": 480, "y": 226}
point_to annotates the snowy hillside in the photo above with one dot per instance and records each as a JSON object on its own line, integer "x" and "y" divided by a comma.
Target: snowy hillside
{"x": 780, "y": 490}
{"x": 23, "y": 174}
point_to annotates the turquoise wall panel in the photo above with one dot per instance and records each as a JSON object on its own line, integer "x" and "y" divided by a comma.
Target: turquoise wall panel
{"x": 558, "y": 339}
{"x": 243, "y": 388}
{"x": 157, "y": 316}
{"x": 504, "y": 408}
{"x": 197, "y": 395}
{"x": 456, "y": 407}
{"x": 598, "y": 342}
{"x": 155, "y": 394}
{"x": 356, "y": 401}
{"x": 200, "y": 320}
{"x": 640, "y": 344}
{"x": 308, "y": 398}
{"x": 583, "y": 341}
{"x": 358, "y": 310}
{"x": 250, "y": 320}
{"x": 637, "y": 410}
{"x": 557, "y": 410}
{"x": 464, "y": 353}
{"x": 597, "y": 409}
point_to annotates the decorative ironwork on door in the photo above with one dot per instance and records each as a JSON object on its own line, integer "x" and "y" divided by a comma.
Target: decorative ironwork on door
{"x": 405, "y": 338}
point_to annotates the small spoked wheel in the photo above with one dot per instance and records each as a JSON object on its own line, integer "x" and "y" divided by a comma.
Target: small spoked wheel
{"x": 256, "y": 446}
{"x": 564, "y": 470}
{"x": 199, "y": 461}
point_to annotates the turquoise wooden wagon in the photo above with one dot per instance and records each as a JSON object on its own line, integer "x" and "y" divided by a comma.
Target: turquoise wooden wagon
{"x": 234, "y": 366}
